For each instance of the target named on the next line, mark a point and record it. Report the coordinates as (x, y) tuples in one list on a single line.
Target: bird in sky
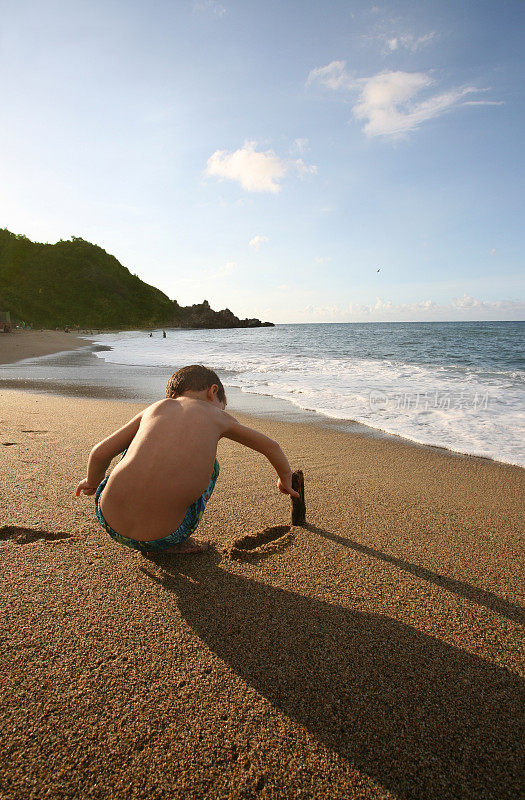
[(379, 270)]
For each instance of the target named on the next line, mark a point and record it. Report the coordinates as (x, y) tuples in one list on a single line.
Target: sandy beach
[(377, 654), (22, 343)]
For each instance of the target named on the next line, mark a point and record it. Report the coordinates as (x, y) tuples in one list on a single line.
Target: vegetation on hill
[(74, 283), (77, 283)]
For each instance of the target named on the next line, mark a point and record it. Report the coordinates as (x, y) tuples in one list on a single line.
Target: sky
[(294, 161)]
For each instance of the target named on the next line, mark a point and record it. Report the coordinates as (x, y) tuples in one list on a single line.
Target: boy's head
[(194, 378)]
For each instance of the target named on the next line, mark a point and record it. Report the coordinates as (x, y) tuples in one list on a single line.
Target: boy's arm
[(263, 444), (102, 453)]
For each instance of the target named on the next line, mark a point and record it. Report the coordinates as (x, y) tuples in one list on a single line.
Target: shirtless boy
[(155, 496)]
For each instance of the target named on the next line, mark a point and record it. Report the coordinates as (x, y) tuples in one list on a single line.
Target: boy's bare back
[(167, 466)]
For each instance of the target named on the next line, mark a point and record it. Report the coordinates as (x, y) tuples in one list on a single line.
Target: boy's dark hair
[(194, 378)]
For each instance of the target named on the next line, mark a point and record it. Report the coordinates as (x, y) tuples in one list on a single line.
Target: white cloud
[(257, 241), (209, 6), (326, 312), (468, 303), (334, 76), (256, 171), (460, 308), (387, 103), (300, 146), (483, 102), (303, 169), (407, 41)]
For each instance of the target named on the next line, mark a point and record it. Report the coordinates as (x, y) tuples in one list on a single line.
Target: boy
[(156, 495)]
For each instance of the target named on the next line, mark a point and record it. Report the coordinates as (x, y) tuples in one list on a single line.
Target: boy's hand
[(286, 487), (84, 488)]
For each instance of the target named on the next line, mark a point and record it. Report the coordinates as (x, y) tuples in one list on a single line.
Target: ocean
[(458, 385)]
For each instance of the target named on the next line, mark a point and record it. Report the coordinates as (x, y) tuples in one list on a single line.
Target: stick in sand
[(298, 504)]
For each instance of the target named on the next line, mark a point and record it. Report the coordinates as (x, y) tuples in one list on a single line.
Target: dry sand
[(21, 344), (377, 655)]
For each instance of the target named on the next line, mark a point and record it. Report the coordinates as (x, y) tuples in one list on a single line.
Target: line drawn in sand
[(270, 540)]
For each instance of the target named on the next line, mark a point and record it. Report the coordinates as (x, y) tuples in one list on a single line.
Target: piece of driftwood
[(298, 504)]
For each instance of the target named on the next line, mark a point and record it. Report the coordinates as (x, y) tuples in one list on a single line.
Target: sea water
[(458, 385)]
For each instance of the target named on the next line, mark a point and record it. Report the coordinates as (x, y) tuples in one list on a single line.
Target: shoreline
[(85, 383), (22, 344), (356, 661), (310, 419)]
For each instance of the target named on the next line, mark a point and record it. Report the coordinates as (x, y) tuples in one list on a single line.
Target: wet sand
[(21, 344), (376, 654)]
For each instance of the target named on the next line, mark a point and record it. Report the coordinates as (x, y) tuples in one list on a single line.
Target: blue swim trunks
[(185, 529)]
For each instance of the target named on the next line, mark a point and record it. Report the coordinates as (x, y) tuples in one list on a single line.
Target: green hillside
[(75, 283)]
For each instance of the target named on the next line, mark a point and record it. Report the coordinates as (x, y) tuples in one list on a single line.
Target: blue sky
[(272, 156)]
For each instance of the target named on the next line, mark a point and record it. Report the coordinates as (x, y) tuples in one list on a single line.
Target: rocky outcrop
[(202, 315)]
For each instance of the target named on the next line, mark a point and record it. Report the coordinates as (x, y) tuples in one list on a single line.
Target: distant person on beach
[(157, 493)]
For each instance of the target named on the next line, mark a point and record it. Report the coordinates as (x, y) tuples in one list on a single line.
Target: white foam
[(474, 411)]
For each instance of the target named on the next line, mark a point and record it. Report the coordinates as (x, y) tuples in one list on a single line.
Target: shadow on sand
[(479, 596), (421, 717), (22, 535)]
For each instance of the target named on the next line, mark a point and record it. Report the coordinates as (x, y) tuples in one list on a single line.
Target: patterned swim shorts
[(185, 529)]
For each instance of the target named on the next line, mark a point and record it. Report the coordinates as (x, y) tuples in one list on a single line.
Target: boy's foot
[(190, 545)]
